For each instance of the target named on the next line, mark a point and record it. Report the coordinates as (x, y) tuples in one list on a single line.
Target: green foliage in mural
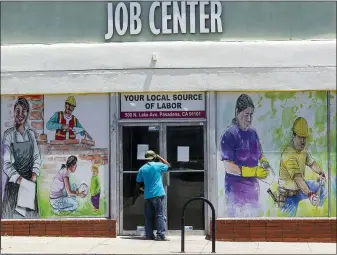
[(84, 210), (289, 106), (333, 151)]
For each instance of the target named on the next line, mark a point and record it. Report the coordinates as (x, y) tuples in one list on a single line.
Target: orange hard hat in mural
[(300, 127)]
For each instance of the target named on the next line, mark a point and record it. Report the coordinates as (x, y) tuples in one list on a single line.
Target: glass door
[(135, 140), (185, 151), (183, 145)]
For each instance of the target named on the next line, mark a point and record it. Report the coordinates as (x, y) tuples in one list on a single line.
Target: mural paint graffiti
[(333, 151), (65, 123), (244, 162), (21, 165), (70, 167), (293, 187), (291, 128)]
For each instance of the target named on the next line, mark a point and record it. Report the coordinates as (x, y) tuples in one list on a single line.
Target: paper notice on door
[(183, 153), (141, 149)]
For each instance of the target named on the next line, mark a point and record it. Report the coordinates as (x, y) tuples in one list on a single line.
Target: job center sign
[(164, 17), (162, 105)]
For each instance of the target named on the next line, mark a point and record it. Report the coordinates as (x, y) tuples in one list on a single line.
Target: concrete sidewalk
[(133, 245)]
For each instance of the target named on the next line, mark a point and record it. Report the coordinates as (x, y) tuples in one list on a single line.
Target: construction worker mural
[(292, 185), (66, 125)]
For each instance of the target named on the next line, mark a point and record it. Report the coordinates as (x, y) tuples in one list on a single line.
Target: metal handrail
[(183, 222)]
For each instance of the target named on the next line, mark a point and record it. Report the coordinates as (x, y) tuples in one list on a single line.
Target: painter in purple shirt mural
[(242, 154)]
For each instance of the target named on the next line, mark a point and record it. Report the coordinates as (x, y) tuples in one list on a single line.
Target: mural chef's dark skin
[(20, 118)]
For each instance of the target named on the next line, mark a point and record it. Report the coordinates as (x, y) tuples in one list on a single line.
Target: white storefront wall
[(168, 67)]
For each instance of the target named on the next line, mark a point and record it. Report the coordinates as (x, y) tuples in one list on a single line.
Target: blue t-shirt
[(151, 175)]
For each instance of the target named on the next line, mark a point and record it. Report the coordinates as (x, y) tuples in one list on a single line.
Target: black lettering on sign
[(158, 98), (187, 97), (134, 97), (168, 106)]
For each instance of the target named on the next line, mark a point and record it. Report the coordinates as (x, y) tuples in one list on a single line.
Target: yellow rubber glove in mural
[(256, 171)]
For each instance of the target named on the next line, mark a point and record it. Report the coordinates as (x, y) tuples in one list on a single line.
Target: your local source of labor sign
[(162, 105)]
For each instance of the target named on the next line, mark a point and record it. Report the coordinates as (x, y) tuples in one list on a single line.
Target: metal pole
[(183, 232), (213, 228), (183, 222)]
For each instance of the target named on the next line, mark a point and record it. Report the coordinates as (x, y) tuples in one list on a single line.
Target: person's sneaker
[(150, 238), (162, 238)]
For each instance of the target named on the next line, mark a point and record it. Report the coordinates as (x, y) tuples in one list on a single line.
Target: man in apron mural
[(21, 164), (66, 124)]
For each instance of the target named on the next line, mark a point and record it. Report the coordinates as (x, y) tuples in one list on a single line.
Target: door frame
[(186, 124), (162, 151)]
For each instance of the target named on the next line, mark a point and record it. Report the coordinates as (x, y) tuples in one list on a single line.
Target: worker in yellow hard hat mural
[(293, 187), (65, 123)]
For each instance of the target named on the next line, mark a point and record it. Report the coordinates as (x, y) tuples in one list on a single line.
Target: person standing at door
[(150, 174), (21, 162)]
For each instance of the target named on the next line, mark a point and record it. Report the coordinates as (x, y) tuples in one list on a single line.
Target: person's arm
[(37, 159), (53, 124), (83, 133), (164, 161), (139, 180), (310, 162), (68, 189), (227, 147), (79, 125), (227, 153), (8, 167)]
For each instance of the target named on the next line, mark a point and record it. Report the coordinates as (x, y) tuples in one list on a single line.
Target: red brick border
[(276, 230), (64, 227)]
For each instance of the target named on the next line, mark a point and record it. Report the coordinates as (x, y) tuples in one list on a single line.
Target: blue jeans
[(154, 209), (292, 202)]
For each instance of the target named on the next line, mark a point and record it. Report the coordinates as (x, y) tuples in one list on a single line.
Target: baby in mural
[(293, 188), (95, 188), (62, 193)]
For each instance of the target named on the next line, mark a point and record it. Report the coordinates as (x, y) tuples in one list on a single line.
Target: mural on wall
[(272, 154), (333, 151), (21, 165), (58, 168)]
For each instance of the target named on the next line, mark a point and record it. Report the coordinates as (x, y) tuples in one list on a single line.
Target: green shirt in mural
[(95, 186)]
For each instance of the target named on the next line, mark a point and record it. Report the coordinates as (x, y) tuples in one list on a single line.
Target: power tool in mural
[(55, 169), (293, 187)]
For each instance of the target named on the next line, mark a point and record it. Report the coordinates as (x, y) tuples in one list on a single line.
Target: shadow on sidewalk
[(133, 237)]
